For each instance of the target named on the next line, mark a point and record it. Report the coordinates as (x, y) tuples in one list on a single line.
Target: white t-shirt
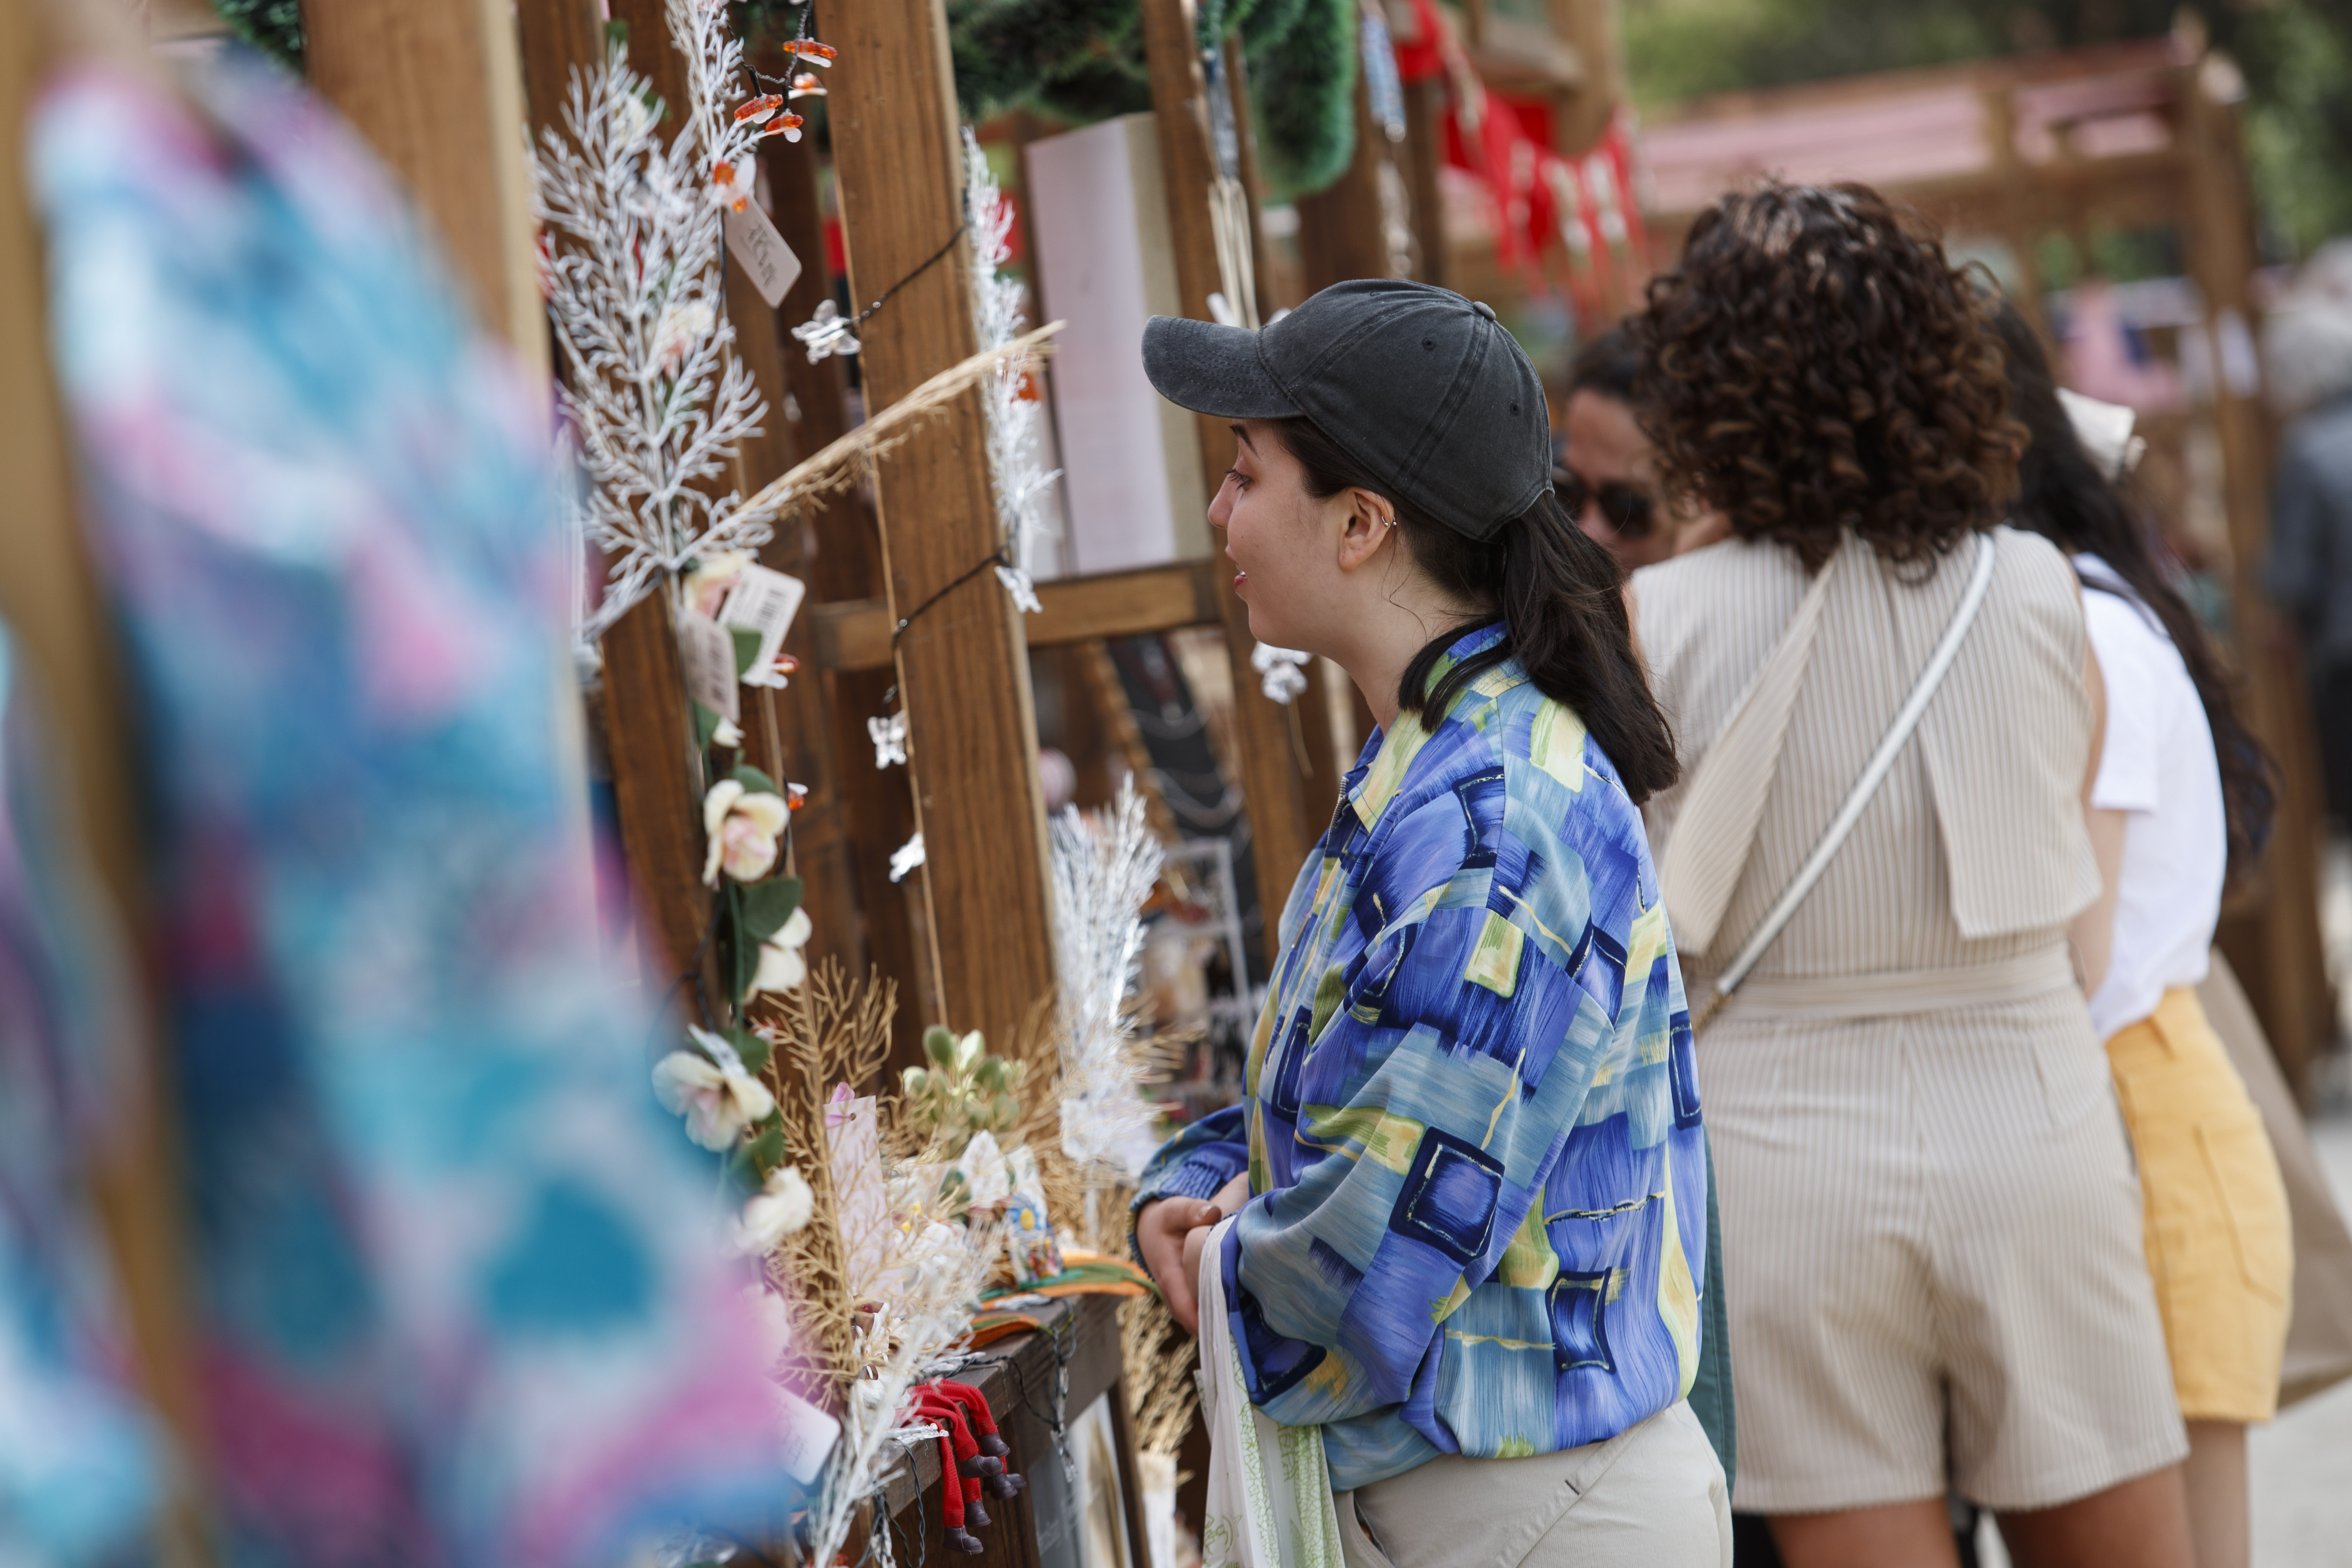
[(2157, 764)]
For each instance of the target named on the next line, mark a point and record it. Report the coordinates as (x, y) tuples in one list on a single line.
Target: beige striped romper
[(1931, 1230)]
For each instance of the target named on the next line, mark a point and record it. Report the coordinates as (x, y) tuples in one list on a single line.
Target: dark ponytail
[(1559, 597), (2064, 497)]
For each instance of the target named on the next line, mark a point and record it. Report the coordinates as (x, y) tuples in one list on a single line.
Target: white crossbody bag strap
[(1833, 837)]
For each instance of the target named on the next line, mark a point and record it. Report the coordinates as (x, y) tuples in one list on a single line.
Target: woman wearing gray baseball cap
[(1468, 1178)]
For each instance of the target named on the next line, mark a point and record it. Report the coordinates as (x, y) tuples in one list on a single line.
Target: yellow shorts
[(2219, 1243)]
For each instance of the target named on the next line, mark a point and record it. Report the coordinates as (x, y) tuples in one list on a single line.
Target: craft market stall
[(821, 319)]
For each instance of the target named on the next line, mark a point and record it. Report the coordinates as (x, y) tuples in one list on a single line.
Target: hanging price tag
[(809, 1434), (707, 653), (763, 601), (760, 252)]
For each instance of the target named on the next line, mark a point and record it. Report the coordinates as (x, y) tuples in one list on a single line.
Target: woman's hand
[(1172, 1233), (1162, 1230), (1196, 1241)]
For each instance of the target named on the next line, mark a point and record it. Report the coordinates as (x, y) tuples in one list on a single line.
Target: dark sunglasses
[(1632, 513)]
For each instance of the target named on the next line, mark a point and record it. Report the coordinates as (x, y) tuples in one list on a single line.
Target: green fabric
[(1710, 1394)]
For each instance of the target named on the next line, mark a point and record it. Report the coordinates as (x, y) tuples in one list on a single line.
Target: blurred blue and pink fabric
[(457, 1292)]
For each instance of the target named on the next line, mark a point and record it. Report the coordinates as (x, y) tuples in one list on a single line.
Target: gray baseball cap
[(1419, 385)]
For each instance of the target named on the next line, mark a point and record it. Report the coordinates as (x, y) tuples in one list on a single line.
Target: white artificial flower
[(742, 826), (732, 185), (778, 1209), (984, 1171), (889, 738), (781, 968), (682, 326), (1023, 590), (827, 333), (906, 858), (633, 116), (726, 734), (718, 1098), (713, 578), (1281, 672)]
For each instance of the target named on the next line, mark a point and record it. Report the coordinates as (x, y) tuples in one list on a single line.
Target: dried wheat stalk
[(831, 1030), (845, 460), (1161, 1394)]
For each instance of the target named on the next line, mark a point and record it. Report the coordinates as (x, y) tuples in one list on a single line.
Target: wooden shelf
[(854, 634), (1019, 1378)]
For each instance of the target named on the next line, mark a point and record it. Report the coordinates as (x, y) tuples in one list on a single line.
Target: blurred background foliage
[(2296, 56)]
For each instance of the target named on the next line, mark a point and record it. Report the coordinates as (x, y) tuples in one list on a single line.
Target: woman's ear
[(1371, 526)]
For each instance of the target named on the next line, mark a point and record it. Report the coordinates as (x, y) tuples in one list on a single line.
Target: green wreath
[(1083, 61), (274, 26), (1080, 60)]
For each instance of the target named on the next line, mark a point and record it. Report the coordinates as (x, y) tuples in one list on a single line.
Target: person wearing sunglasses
[(1602, 471)]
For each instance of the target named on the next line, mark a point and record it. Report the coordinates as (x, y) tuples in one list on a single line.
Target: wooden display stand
[(438, 87), (970, 939)]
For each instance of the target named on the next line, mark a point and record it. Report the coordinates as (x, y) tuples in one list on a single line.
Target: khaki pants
[(1652, 1495)]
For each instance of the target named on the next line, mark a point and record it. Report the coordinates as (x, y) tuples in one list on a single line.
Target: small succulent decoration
[(963, 1092)]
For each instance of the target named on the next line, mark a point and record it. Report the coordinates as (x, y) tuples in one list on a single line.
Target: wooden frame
[(855, 634)]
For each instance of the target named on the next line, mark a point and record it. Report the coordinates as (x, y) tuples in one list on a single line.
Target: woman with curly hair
[(1931, 1225)]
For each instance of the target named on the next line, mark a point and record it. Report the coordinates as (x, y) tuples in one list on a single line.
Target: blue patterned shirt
[(1478, 1212)]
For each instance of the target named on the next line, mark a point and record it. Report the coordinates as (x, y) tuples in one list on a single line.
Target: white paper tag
[(765, 602), (809, 1436), (707, 649), (760, 251)]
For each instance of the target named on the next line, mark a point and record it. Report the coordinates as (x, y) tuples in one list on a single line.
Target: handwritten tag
[(707, 652), (809, 1434), (765, 602), (761, 252)]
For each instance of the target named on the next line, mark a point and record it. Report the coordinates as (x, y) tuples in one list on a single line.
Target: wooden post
[(435, 86), (657, 791), (1362, 225), (962, 666), (555, 37), (1252, 183), (855, 815), (70, 663), (1283, 825), (2013, 219), (2272, 938), (648, 732), (1424, 139), (1581, 113)]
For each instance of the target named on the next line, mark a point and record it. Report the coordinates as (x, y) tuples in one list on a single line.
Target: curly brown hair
[(1816, 365)]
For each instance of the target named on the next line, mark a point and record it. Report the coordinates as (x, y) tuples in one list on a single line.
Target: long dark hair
[(2064, 497), (1559, 597)]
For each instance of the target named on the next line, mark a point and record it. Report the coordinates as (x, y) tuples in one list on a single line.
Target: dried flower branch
[(883, 1296), (830, 1031), (1104, 869), (1016, 415), (654, 395)]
